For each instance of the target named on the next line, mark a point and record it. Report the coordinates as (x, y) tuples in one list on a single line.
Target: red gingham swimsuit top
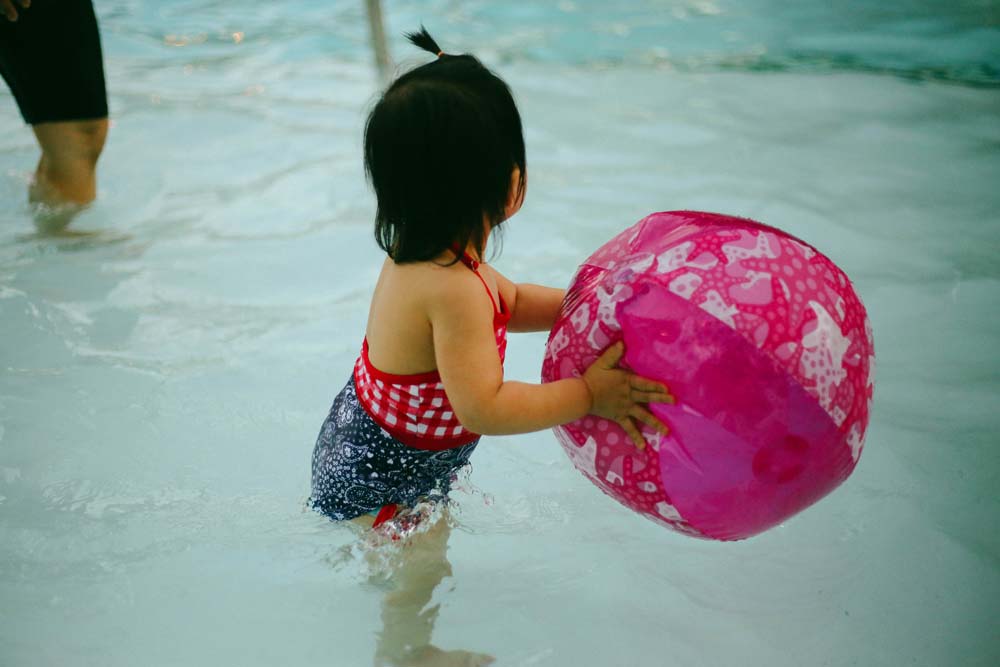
[(414, 409)]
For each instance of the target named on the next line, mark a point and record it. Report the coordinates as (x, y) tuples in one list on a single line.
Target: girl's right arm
[(466, 354)]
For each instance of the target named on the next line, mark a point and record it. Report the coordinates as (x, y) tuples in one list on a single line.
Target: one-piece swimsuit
[(392, 440)]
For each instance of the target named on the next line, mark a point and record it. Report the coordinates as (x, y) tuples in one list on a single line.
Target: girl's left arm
[(532, 307)]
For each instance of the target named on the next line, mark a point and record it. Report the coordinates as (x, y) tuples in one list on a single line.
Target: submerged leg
[(407, 625)]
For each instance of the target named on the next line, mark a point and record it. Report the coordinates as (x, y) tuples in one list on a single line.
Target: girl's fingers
[(633, 433), (651, 397), (644, 390), (645, 384), (649, 419), (610, 357)]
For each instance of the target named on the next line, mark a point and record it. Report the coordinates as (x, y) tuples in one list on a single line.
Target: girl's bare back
[(400, 338)]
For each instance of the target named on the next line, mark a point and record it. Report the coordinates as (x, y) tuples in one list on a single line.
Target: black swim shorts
[(51, 59)]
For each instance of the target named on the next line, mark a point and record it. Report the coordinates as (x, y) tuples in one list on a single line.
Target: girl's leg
[(407, 625)]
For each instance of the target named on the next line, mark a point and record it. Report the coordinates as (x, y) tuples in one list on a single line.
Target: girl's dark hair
[(440, 147)]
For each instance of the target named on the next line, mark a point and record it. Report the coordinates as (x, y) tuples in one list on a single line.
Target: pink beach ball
[(764, 343)]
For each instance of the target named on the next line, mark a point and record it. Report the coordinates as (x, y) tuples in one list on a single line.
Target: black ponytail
[(424, 40), (441, 145)]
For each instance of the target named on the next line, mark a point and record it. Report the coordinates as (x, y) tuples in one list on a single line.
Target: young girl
[(445, 154)]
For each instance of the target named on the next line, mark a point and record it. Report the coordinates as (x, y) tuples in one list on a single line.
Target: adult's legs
[(67, 169)]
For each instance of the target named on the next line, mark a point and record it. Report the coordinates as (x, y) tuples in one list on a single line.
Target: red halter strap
[(474, 265)]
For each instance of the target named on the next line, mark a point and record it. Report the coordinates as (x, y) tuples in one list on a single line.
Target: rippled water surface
[(164, 370)]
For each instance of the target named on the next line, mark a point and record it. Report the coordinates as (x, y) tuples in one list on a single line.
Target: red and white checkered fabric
[(414, 409)]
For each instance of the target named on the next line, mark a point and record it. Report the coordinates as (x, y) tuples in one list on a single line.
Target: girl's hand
[(616, 394)]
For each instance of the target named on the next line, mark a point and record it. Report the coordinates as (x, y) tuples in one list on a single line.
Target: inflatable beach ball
[(765, 345)]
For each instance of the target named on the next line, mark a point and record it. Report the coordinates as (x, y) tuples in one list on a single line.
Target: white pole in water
[(382, 60)]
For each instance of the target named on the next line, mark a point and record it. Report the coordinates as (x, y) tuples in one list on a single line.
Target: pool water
[(164, 369)]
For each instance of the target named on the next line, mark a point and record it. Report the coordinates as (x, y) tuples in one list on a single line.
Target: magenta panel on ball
[(764, 343)]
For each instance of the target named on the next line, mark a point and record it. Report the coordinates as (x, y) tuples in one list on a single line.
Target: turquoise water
[(164, 372)]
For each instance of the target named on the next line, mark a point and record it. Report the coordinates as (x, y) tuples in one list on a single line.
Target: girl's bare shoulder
[(430, 284)]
